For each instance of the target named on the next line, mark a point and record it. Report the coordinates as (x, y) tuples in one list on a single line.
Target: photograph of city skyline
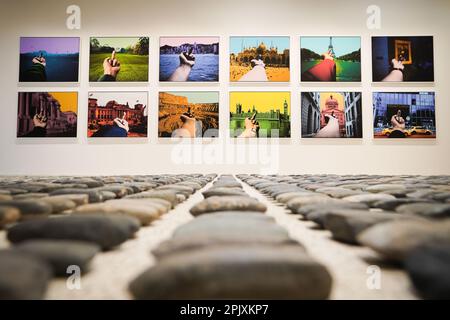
[(260, 114)]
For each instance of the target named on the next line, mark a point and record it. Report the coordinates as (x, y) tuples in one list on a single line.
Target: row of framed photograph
[(251, 59), (252, 114)]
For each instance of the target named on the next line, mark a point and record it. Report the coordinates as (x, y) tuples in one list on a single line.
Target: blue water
[(60, 67), (206, 67)]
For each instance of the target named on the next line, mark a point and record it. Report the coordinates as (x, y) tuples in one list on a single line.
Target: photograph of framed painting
[(402, 59), (47, 114), (260, 114), (330, 59), (117, 114), (49, 59), (404, 115), (188, 114), (189, 59), (122, 59), (331, 114), (259, 59)]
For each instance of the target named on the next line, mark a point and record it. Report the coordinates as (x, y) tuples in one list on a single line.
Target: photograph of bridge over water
[(188, 114), (259, 59), (330, 59), (49, 59), (189, 59), (331, 115), (260, 114)]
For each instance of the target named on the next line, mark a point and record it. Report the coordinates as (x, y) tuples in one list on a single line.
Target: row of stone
[(404, 219), (231, 250), (99, 214)]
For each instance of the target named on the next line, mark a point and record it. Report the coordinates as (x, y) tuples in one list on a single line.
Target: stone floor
[(246, 236)]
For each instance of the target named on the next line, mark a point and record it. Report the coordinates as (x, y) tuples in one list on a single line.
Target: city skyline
[(120, 97), (341, 45), (263, 101), (52, 45), (178, 41), (197, 96), (238, 43)]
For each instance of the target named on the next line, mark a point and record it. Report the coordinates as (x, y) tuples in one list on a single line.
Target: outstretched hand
[(122, 123), (111, 66), (251, 127), (40, 120), (397, 64), (39, 60)]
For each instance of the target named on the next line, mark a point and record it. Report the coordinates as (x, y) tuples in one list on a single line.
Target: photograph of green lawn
[(123, 59)]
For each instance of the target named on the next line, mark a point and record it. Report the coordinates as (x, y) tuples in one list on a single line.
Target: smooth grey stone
[(227, 203), (224, 228), (169, 195), (196, 186), (108, 195), (30, 196), (385, 187), (305, 210), (185, 190), (106, 231), (59, 204), (394, 240), (227, 184), (430, 210), (337, 192), (286, 197), (94, 195), (60, 254), (369, 198), (425, 193), (429, 269), (346, 224), (8, 215), (394, 203), (441, 196), (79, 199), (29, 208), (22, 277), (224, 192), (236, 272), (297, 203), (119, 191)]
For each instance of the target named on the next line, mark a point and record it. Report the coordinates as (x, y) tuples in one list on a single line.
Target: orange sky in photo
[(67, 100)]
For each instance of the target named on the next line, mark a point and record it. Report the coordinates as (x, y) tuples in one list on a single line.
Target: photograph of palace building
[(270, 110), (117, 114), (47, 114), (190, 114), (404, 115), (331, 115), (259, 59)]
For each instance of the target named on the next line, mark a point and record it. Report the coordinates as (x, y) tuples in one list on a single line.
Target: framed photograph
[(402, 59), (404, 115), (49, 59), (330, 59), (121, 59), (331, 114), (258, 114), (117, 114), (47, 114), (259, 59), (188, 114), (189, 59)]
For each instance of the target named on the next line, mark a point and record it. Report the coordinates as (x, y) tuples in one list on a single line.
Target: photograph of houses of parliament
[(271, 110)]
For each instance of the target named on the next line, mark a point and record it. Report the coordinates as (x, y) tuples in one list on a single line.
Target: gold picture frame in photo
[(403, 51)]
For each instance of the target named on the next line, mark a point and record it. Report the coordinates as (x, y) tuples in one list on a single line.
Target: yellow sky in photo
[(67, 100), (336, 95), (263, 101)]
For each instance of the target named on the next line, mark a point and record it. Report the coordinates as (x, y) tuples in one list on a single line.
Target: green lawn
[(345, 70), (133, 67)]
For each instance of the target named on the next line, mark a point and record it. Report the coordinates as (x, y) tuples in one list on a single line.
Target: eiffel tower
[(330, 47)]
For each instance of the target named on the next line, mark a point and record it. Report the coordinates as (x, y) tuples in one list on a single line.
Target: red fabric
[(324, 71)]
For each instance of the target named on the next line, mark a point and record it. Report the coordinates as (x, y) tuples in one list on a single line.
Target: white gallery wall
[(154, 18)]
